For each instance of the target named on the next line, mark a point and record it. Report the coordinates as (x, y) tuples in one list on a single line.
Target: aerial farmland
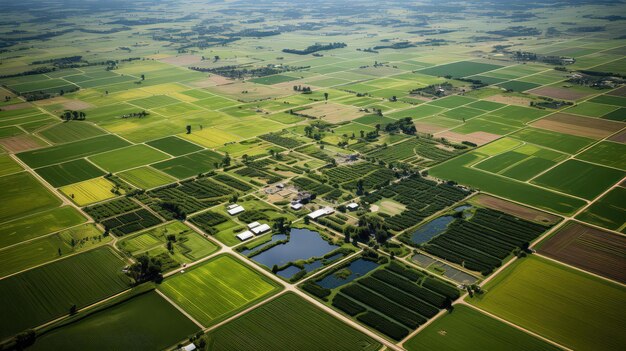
[(328, 175)]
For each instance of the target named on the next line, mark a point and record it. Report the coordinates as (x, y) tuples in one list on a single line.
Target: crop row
[(131, 222), (279, 140), (410, 288), (383, 325), (400, 297), (111, 208), (232, 182)]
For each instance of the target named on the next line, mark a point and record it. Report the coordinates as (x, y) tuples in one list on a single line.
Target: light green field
[(70, 131), (90, 191), (570, 307), (8, 165), (608, 211), (39, 224), (221, 286), (23, 195), (130, 157), (146, 177)]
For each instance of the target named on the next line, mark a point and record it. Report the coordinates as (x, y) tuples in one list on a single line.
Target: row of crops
[(280, 140), (422, 198), (425, 148), (484, 241), (392, 300)]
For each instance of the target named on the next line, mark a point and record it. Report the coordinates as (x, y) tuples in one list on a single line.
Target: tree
[(60, 253), (307, 220), (274, 269), (188, 129), (143, 77), (326, 96), (226, 160), (25, 339), (245, 158), (73, 310), (170, 246), (362, 134)]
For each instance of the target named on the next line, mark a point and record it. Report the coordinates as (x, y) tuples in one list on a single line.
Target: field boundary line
[(179, 309)]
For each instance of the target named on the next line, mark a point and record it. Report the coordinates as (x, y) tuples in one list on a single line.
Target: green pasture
[(608, 211), (146, 177), (125, 158), (69, 172), (23, 195)]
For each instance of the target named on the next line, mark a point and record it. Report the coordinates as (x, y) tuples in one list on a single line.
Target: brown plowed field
[(559, 93), (588, 248), (581, 126)]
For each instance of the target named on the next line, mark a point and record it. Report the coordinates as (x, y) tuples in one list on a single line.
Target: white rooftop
[(352, 205), (261, 229), (245, 235), (189, 347), (231, 206), (321, 212), (253, 224), (296, 206), (234, 210)]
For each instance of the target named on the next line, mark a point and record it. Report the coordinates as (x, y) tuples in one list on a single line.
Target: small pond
[(431, 229), (275, 238), (357, 269), (302, 245)]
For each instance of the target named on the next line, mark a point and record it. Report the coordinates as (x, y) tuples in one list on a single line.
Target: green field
[(130, 157), (579, 178), (146, 177), (606, 153), (457, 170), (568, 306), (71, 151), (299, 325), (51, 247), (145, 322), (467, 329), (69, 172), (23, 195), (70, 131), (39, 224), (558, 141), (8, 165), (174, 146), (459, 69), (39, 295), (222, 286), (608, 211), (189, 165)]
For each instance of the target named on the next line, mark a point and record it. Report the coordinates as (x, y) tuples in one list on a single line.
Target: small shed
[(253, 224), (235, 210), (190, 347), (321, 212), (352, 206), (296, 206)]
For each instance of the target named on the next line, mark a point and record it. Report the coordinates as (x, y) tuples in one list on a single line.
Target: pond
[(431, 229), (357, 269), (302, 245), (275, 238), (463, 208)]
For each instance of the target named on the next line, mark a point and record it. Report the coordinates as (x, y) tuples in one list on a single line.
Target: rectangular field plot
[(69, 172), (216, 289), (459, 69), (146, 177), (89, 191), (145, 321), (305, 330), (39, 295), (579, 178), (71, 151), (608, 211), (588, 248), (572, 308), (8, 165), (567, 143), (174, 146), (42, 223), (468, 329), (130, 157), (189, 165), (51, 247), (23, 195), (606, 153), (70, 131)]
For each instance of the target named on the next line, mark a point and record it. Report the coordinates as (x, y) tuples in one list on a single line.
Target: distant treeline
[(315, 48), (238, 72)]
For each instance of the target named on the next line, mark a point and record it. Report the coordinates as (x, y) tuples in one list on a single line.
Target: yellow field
[(131, 94), (209, 137), (167, 88), (182, 97), (88, 192)]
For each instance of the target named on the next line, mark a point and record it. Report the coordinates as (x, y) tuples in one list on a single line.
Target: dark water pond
[(303, 244), (357, 268), (275, 238)]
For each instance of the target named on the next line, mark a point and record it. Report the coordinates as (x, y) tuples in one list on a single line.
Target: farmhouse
[(189, 347), (234, 209), (352, 206), (321, 212), (261, 229), (296, 206), (245, 235)]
